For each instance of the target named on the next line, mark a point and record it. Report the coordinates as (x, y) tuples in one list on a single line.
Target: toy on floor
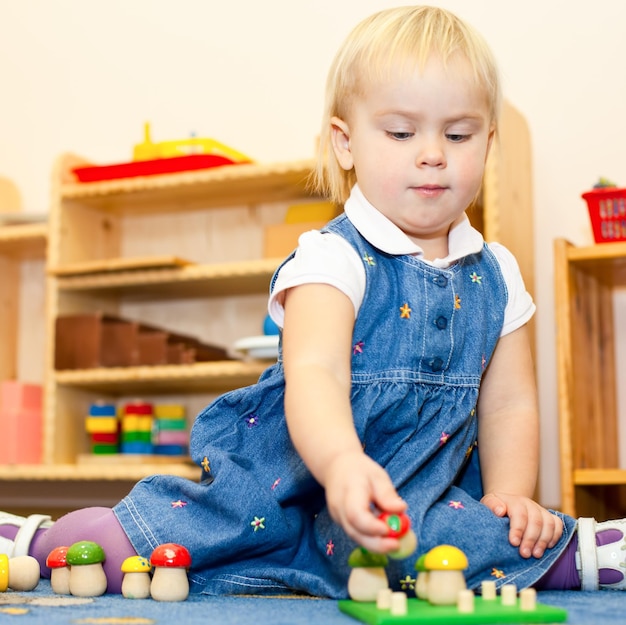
[(445, 565), (136, 582), (87, 577), (19, 573), (59, 570), (391, 608), (368, 575), (169, 580)]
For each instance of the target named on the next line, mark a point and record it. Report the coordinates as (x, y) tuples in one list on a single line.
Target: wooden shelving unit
[(18, 244), (185, 252), (592, 482)]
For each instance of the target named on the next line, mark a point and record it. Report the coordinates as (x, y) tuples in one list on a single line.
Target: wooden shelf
[(24, 241), (220, 186), (199, 377), (592, 483), (245, 277), (79, 473)]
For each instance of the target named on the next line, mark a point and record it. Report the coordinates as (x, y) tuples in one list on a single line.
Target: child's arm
[(508, 443), (317, 349)]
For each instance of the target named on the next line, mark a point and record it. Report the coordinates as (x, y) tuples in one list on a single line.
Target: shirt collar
[(463, 239)]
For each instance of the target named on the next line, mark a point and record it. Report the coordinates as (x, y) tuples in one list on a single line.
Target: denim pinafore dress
[(256, 521)]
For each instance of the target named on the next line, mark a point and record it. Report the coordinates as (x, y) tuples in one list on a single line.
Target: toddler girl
[(404, 380)]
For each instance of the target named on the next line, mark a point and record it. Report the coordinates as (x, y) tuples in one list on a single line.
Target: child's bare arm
[(317, 339), (508, 443)]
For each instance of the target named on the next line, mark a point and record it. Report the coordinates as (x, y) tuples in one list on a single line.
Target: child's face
[(418, 144)]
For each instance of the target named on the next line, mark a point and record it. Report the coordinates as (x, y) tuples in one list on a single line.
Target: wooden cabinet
[(185, 252), (592, 484), (22, 253)]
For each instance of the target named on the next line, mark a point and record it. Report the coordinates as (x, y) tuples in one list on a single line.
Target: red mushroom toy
[(60, 570), (169, 580), (400, 527)]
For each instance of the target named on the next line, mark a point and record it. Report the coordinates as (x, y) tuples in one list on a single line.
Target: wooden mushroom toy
[(87, 578), (400, 527), (421, 581), (169, 580), (59, 570), (445, 564), (136, 582), (19, 573), (368, 575)]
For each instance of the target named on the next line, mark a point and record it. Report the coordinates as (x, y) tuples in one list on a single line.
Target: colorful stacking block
[(103, 426), (137, 424), (171, 437)]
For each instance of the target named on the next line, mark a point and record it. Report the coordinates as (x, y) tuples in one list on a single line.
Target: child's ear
[(340, 139)]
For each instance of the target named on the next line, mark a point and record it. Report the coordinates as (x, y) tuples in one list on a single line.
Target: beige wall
[(84, 75)]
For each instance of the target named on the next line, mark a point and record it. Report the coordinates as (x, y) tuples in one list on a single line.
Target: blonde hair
[(408, 35)]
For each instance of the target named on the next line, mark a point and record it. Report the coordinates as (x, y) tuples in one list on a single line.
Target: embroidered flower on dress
[(369, 260), (457, 302), (358, 348), (497, 573), (252, 420), (179, 504), (276, 483), (407, 583), (206, 465), (330, 548), (258, 524), (405, 312), (476, 279), (457, 505), (443, 439)]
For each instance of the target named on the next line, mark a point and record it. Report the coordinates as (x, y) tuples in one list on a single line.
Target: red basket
[(607, 210)]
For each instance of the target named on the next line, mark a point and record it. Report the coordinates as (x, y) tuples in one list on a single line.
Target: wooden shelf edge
[(96, 472), (217, 175), (591, 477), (599, 251), (142, 279), (200, 377)]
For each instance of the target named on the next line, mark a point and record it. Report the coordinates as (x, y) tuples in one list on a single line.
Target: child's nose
[(431, 154)]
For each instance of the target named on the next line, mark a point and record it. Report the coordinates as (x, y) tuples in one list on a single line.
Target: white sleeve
[(520, 306), (321, 258)]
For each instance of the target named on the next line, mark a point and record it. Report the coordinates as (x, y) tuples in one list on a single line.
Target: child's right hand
[(357, 489)]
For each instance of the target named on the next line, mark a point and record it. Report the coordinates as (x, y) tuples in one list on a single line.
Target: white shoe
[(27, 527), (590, 558)]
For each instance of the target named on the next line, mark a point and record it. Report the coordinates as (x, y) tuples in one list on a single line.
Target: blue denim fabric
[(256, 520)]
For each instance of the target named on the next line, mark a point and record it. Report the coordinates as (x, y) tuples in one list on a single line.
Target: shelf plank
[(95, 472), (24, 241), (243, 278), (117, 265), (591, 477), (206, 377), (219, 186)]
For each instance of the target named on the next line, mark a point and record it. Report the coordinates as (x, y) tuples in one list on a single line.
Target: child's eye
[(399, 136), (457, 138)]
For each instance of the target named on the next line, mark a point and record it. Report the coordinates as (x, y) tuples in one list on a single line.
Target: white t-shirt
[(327, 258)]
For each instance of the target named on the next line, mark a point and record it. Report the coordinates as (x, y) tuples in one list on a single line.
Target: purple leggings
[(102, 526), (97, 524)]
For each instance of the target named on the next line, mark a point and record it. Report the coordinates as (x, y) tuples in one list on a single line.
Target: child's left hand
[(533, 528)]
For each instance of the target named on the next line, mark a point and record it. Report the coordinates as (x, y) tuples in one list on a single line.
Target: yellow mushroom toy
[(445, 565), (136, 582)]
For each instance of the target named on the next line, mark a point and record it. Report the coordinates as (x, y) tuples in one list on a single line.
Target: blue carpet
[(42, 607)]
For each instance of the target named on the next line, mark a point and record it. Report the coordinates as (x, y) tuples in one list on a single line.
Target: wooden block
[(528, 599), (508, 593), (398, 604), (488, 590), (383, 599), (281, 239), (465, 601)]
